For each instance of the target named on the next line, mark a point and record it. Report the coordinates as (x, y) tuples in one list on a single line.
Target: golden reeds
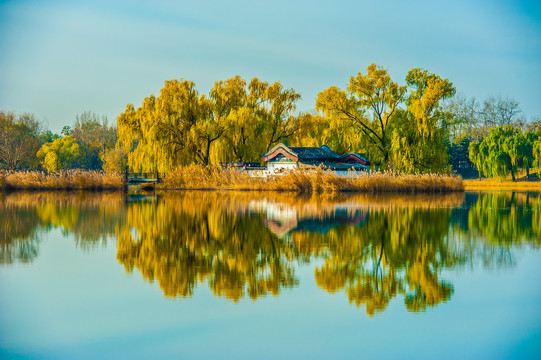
[(63, 180), (302, 180), (196, 177)]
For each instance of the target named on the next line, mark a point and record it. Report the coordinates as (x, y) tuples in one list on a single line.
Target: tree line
[(402, 128), (420, 127), (494, 137), (26, 144)]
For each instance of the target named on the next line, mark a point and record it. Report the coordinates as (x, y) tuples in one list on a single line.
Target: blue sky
[(60, 58)]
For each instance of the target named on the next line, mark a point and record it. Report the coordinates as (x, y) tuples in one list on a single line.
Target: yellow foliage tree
[(368, 105), (59, 154), (235, 122)]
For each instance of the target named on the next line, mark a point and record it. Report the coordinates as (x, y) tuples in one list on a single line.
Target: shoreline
[(284, 191), (198, 178), (467, 188), (208, 179)]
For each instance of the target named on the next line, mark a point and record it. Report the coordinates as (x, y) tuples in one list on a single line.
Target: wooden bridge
[(143, 179)]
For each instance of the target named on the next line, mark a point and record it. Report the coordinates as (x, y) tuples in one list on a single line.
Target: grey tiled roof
[(315, 153), (321, 153)]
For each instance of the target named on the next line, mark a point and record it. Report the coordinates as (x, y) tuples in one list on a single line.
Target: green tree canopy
[(504, 151)]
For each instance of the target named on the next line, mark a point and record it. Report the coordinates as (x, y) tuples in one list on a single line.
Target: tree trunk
[(207, 154)]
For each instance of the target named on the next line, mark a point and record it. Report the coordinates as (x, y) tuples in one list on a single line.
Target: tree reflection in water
[(373, 248), (18, 233), (25, 216), (186, 239), (400, 249)]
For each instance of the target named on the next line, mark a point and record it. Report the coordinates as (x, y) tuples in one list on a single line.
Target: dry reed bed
[(195, 177), (63, 180), (489, 184), (315, 180)]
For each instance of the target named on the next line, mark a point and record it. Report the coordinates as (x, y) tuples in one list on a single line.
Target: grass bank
[(317, 180), (63, 180), (495, 184)]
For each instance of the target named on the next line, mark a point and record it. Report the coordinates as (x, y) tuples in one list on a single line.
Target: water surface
[(263, 275)]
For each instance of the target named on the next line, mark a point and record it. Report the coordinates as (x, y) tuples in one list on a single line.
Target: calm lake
[(270, 275)]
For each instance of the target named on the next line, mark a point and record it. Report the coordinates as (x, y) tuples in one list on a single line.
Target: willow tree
[(520, 150), (368, 104), (262, 118), (276, 112), (230, 99), (505, 150), (419, 133), (536, 152), (312, 132), (234, 122), (497, 154), (158, 135), (316, 130), (526, 150), (410, 139)]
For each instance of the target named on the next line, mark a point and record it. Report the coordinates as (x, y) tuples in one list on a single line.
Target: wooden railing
[(142, 178), (145, 175)]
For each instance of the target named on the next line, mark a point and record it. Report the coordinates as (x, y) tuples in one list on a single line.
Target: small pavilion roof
[(362, 158), (359, 155)]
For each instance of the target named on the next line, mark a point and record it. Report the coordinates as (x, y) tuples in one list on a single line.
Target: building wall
[(275, 167), (349, 173)]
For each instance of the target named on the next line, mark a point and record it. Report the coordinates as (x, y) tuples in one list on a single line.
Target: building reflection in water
[(282, 219)]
